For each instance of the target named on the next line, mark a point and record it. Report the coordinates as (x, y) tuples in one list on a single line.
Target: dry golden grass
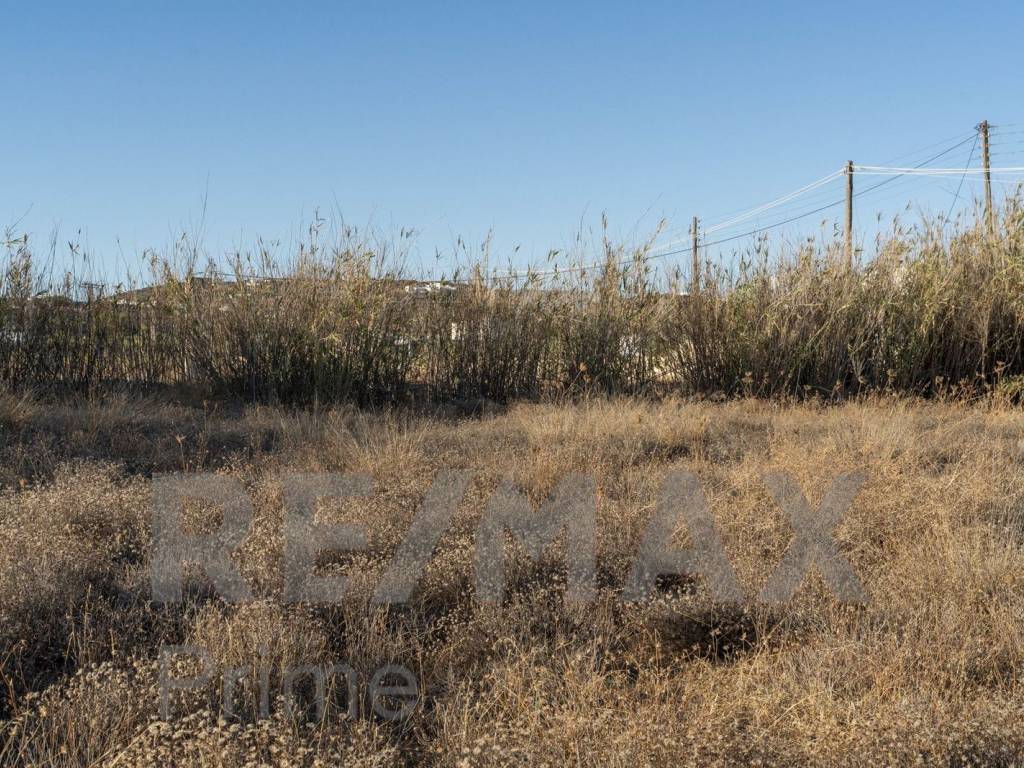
[(930, 671)]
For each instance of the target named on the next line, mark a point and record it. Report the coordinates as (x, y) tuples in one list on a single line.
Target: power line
[(794, 200), (961, 184), (893, 182), (775, 203), (893, 173), (682, 236), (869, 170), (765, 207), (802, 205), (905, 191), (961, 137), (1003, 182), (837, 202), (931, 159), (665, 254), (759, 230)]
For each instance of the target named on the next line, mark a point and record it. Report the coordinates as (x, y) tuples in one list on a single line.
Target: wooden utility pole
[(695, 277), (983, 129), (849, 214)]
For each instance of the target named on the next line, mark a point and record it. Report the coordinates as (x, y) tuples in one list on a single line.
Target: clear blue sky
[(459, 118)]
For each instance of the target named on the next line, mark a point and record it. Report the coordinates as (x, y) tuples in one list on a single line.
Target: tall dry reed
[(934, 312)]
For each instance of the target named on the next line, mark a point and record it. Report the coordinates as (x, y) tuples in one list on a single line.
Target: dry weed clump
[(929, 671), (938, 311)]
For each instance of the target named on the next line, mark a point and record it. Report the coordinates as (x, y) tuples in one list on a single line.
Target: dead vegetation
[(930, 670), (938, 311)]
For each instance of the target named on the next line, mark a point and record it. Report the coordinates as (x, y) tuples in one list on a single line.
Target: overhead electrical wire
[(765, 207), (818, 209), (812, 200), (872, 188), (874, 170), (960, 186), (774, 204), (960, 139), (894, 173), (1002, 182)]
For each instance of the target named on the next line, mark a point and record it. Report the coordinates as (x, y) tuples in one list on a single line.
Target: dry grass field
[(929, 671), (908, 368)]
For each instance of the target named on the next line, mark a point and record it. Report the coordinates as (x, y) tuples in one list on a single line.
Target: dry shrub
[(934, 313), (71, 572)]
